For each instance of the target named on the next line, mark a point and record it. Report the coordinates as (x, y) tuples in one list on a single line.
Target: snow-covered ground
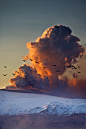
[(14, 103)]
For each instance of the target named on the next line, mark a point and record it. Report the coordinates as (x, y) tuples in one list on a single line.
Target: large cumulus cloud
[(57, 47), (50, 56)]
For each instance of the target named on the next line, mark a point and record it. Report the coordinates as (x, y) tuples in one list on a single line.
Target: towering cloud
[(51, 55)]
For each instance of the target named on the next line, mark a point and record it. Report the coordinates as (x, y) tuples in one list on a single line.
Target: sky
[(23, 21)]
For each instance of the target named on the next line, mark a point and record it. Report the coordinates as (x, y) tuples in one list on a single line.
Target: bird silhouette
[(79, 72), (69, 66), (44, 67), (5, 66), (4, 74), (58, 71), (13, 74), (36, 62), (73, 66), (24, 60), (31, 59), (54, 65)]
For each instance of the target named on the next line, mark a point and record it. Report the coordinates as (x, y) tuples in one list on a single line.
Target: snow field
[(14, 103)]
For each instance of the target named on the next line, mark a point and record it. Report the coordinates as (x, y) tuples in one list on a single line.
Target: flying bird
[(5, 66), (69, 66), (13, 74), (4, 74), (73, 66), (24, 60), (58, 71), (31, 59), (36, 62), (54, 65)]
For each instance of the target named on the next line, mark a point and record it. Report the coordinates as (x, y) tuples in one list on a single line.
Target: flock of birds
[(6, 74), (69, 66)]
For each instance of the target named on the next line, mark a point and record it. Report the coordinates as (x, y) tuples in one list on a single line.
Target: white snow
[(14, 103)]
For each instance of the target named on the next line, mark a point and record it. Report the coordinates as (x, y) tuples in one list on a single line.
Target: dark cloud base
[(75, 121), (71, 93)]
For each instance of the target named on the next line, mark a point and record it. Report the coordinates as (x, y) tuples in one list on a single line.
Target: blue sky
[(22, 21)]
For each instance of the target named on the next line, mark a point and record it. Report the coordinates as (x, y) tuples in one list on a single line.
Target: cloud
[(27, 76), (57, 47), (50, 55)]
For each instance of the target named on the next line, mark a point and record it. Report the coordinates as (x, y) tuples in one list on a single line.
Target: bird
[(69, 66), (24, 60), (13, 74), (54, 65), (31, 59), (79, 72), (58, 71), (36, 62), (44, 67), (4, 74), (5, 66), (73, 66)]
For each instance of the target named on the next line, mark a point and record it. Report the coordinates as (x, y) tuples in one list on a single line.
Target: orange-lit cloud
[(50, 55)]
